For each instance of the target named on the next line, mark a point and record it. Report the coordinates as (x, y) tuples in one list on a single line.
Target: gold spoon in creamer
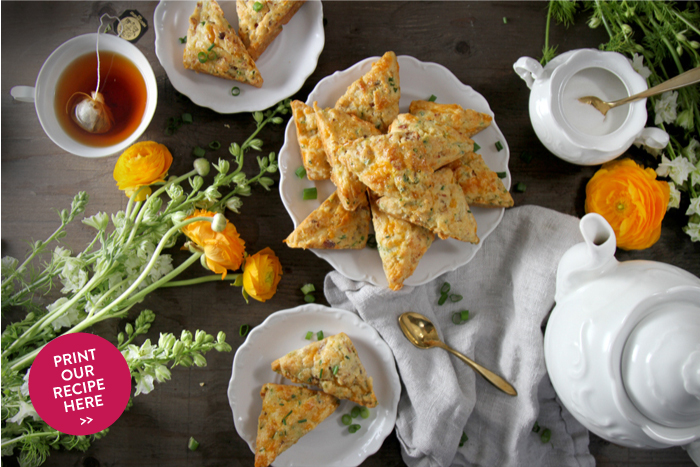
[(422, 333), (682, 80)]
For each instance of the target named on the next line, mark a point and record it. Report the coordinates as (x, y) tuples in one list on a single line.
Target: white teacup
[(43, 93)]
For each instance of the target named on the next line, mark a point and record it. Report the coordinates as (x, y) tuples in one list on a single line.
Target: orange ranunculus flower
[(142, 164), (223, 250), (261, 274), (631, 199)]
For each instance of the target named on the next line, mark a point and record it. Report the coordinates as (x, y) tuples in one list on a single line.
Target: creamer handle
[(652, 137), (528, 69), (22, 93), (693, 450)]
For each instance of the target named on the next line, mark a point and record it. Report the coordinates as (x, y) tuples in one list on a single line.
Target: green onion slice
[(463, 439), (308, 288), (354, 428), (456, 318), (476, 147), (364, 412), (355, 412), (198, 152), (210, 47), (501, 174), (302, 421), (546, 435), (464, 314), (455, 298), (300, 171), (445, 287), (499, 145), (319, 336), (335, 370), (243, 330), (257, 6), (183, 40), (309, 335), (235, 91), (432, 98), (346, 419), (212, 56), (520, 187), (536, 427), (202, 57), (186, 118), (443, 299), (309, 193), (308, 298), (192, 444), (214, 145)]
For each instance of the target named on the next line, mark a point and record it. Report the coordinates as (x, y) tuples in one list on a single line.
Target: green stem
[(690, 25), (35, 251), (600, 7), (31, 435), (201, 280)]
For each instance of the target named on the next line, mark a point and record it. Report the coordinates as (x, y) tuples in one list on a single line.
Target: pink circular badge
[(79, 384)]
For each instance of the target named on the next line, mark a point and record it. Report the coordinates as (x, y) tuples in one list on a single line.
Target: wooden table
[(469, 38)]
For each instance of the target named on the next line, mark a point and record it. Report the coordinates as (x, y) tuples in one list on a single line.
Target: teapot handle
[(693, 450), (528, 69), (652, 137)]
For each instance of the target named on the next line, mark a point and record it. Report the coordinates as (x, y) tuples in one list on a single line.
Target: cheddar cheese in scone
[(375, 96), (401, 245), (261, 21), (331, 226), (213, 47), (481, 185), (313, 156), (467, 121), (333, 365), (288, 413), (336, 128)]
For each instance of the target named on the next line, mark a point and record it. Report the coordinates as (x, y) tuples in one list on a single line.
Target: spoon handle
[(489, 375), (682, 80)]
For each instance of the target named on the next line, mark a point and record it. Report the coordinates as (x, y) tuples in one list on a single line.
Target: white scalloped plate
[(418, 81), (330, 444), (284, 66)]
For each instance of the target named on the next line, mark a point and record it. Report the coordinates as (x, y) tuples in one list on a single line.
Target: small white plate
[(284, 66), (419, 80), (330, 444)]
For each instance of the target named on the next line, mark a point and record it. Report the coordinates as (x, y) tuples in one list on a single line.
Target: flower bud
[(679, 50), (221, 337), (203, 262), (695, 44), (199, 360), (680, 37), (627, 29), (120, 338), (234, 204), (685, 119), (199, 336), (223, 166), (178, 216), (256, 144), (239, 178), (244, 190), (129, 329), (186, 361), (162, 373), (186, 337), (202, 166), (234, 149), (218, 223), (196, 182), (277, 120), (594, 22), (178, 347), (208, 338)]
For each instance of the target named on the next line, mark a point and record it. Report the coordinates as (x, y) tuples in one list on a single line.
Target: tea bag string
[(97, 43)]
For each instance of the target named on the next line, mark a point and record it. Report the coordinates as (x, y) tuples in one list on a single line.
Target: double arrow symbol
[(85, 420)]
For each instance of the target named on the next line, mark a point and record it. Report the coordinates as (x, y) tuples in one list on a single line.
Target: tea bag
[(90, 111)]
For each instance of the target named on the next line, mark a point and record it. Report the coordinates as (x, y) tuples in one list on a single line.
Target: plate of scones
[(393, 171), (314, 386), (238, 56)]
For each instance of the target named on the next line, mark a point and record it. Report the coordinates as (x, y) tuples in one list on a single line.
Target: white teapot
[(622, 345), (577, 132)]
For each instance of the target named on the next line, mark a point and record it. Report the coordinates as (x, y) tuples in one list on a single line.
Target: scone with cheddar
[(481, 185), (261, 21), (313, 156), (467, 121), (288, 413), (333, 365), (213, 47)]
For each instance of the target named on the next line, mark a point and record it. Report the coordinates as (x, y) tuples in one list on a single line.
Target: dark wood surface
[(469, 38)]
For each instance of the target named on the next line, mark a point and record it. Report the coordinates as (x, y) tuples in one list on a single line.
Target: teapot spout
[(589, 260)]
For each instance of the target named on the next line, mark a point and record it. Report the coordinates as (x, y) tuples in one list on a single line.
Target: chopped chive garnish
[(364, 412), (198, 152), (432, 98), (546, 435), (335, 369), (210, 47), (346, 419), (443, 299), (456, 319), (284, 420), (445, 287), (235, 91), (501, 174), (309, 193), (476, 147), (300, 171), (520, 187), (186, 118), (463, 439), (183, 40), (212, 56), (499, 145), (309, 335), (308, 298), (257, 6), (192, 444), (460, 316), (202, 57), (464, 314), (455, 297), (505, 20), (536, 427), (214, 145), (302, 421), (355, 412), (243, 330), (354, 428), (319, 335), (320, 375), (308, 288)]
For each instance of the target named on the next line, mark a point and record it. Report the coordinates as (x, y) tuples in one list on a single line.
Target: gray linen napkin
[(509, 290)]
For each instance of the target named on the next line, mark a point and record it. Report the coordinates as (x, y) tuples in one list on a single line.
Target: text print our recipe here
[(83, 385)]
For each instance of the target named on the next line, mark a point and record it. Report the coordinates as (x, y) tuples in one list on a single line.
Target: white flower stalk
[(674, 200), (665, 108), (678, 169), (638, 65)]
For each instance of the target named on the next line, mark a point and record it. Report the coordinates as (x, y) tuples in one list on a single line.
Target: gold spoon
[(421, 333), (682, 80)]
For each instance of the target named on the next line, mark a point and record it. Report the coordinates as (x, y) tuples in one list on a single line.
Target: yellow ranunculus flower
[(142, 164), (261, 274), (631, 199), (223, 250)]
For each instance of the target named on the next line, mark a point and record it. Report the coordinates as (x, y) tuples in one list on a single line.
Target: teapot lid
[(660, 365)]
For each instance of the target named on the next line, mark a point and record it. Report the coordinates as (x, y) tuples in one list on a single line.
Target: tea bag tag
[(130, 26)]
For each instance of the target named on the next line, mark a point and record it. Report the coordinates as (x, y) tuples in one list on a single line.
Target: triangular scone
[(313, 155), (401, 245), (333, 365), (481, 185), (336, 128), (261, 21), (288, 413), (332, 227), (213, 47), (441, 208), (467, 121), (375, 96)]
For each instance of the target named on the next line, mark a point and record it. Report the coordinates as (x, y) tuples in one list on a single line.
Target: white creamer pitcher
[(622, 345), (577, 132)]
